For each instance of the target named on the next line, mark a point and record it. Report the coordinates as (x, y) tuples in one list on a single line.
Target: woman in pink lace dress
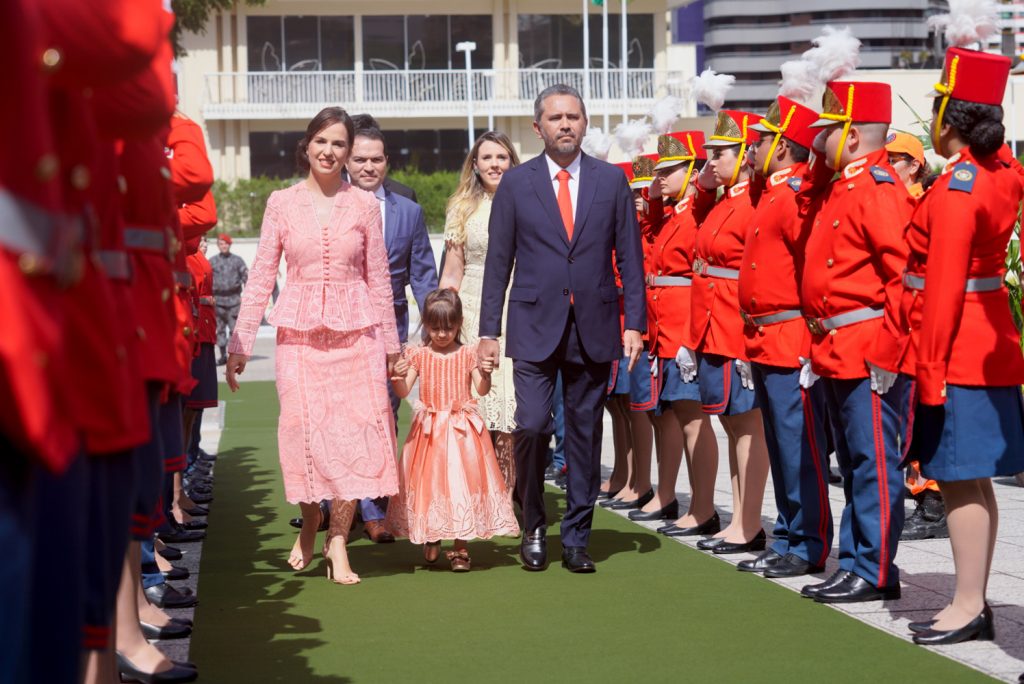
[(336, 341)]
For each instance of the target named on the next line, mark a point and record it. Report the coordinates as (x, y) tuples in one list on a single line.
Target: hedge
[(240, 204)]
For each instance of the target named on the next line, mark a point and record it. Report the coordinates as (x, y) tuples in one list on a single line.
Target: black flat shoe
[(981, 628), (533, 550), (195, 525), (576, 559), (604, 496), (172, 630), (177, 673), (792, 565), (639, 503), (766, 560), (811, 590), (198, 498), (755, 544), (609, 502), (922, 626), (198, 511), (667, 528), (709, 543), (179, 535), (667, 513), (856, 589), (176, 573), (170, 553), (712, 525), (163, 595)]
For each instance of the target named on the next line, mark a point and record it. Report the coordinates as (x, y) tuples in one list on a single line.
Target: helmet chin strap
[(778, 131), (692, 159), (946, 90), (847, 121), (741, 156)]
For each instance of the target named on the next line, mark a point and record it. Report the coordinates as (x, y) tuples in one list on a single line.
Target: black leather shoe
[(576, 559), (176, 573), (709, 543), (766, 560), (811, 590), (922, 626), (639, 503), (755, 544), (609, 502), (604, 496), (170, 553), (199, 498), (667, 513), (856, 589), (981, 628), (163, 595), (792, 565), (172, 630), (551, 472), (533, 550), (195, 525), (179, 535), (177, 673), (562, 481), (198, 511), (712, 525)]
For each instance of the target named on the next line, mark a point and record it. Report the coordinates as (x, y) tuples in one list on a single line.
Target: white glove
[(687, 362), (746, 375), (881, 379), (807, 376)]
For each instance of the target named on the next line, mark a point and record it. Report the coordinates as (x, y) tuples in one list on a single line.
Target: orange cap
[(904, 143)]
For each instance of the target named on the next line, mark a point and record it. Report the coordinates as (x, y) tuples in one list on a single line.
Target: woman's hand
[(235, 366), (400, 370), (393, 360)]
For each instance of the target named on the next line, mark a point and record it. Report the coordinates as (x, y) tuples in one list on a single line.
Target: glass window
[(551, 41), (264, 38), (640, 37), (427, 42), (301, 44), (428, 150), (273, 154), (337, 43), (480, 30), (384, 43)]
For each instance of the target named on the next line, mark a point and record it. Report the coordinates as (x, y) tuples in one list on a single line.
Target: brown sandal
[(431, 550), (459, 559)]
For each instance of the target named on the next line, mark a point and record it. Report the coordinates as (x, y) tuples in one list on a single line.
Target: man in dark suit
[(561, 218)]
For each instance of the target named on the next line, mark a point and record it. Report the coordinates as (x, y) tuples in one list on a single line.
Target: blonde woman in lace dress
[(336, 341), (465, 233)]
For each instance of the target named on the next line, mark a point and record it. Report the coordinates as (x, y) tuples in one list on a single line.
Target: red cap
[(733, 127), (858, 102), (682, 146), (790, 119), (627, 168), (225, 237), (973, 76)]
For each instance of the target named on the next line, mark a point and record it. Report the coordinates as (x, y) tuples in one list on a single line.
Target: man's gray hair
[(557, 89)]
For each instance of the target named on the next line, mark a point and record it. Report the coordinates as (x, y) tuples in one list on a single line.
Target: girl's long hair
[(470, 193)]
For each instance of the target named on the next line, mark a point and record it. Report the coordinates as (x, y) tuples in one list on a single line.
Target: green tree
[(192, 15)]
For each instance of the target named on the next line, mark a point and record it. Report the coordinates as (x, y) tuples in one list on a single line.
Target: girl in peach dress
[(450, 484)]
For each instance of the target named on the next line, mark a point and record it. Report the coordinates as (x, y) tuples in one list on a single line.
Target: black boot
[(928, 520)]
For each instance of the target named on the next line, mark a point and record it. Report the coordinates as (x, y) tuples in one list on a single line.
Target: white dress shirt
[(574, 178), (382, 201)]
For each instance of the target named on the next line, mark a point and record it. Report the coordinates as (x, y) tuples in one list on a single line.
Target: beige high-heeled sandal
[(342, 513)]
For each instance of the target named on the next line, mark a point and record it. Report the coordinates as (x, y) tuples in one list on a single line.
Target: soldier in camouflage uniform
[(229, 275)]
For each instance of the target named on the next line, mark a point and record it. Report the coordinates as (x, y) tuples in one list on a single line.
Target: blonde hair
[(470, 193)]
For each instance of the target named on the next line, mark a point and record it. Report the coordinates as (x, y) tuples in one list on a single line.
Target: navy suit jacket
[(409, 255), (526, 229)]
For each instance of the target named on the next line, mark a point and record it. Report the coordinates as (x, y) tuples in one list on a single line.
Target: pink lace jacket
[(338, 275)]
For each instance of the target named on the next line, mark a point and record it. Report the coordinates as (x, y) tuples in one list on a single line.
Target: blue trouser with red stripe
[(868, 435), (794, 430)]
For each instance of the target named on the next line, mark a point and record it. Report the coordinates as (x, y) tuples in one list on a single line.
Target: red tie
[(565, 201)]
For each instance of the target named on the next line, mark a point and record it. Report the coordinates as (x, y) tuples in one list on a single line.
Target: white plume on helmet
[(710, 88), (665, 113), (799, 80), (632, 135), (597, 143), (968, 21), (836, 53)]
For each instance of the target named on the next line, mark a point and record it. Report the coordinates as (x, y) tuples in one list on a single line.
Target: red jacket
[(668, 307), (775, 240), (202, 276), (716, 326), (855, 255), (191, 173), (960, 231)]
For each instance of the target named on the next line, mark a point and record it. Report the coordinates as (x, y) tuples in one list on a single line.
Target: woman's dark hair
[(328, 116), (442, 310), (979, 125)]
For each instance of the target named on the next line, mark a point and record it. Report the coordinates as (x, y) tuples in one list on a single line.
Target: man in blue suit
[(410, 256), (561, 218)]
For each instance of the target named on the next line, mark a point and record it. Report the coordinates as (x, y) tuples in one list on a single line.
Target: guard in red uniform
[(963, 348), (776, 338), (716, 328), (854, 256), (669, 277)]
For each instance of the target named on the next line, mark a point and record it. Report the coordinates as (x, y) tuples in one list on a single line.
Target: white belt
[(701, 267), (989, 284), (820, 326), (669, 281)]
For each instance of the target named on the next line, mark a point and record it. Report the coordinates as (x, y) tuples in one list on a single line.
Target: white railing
[(424, 92)]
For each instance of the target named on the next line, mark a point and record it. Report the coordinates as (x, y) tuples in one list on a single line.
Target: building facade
[(258, 74)]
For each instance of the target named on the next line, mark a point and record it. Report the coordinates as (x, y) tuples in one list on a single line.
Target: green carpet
[(655, 611)]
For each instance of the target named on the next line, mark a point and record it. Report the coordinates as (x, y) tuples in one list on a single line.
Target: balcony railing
[(426, 92)]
